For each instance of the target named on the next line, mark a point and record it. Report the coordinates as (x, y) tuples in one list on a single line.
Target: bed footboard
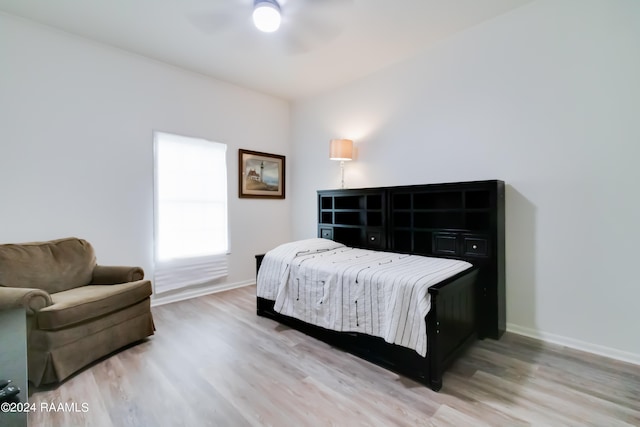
[(451, 323)]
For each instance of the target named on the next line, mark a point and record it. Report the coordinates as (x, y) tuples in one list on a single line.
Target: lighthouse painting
[(261, 175)]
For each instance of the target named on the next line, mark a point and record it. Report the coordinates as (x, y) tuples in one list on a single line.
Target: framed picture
[(261, 175)]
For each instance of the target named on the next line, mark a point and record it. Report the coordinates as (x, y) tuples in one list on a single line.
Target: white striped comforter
[(344, 289)]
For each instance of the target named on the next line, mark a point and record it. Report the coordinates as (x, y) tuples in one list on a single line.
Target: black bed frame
[(462, 220)]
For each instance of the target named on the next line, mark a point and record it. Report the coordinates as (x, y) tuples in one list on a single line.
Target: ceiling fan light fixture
[(266, 15)]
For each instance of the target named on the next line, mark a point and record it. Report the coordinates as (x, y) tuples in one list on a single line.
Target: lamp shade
[(341, 149)]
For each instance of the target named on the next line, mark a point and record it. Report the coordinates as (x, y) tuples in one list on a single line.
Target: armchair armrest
[(112, 275), (33, 300)]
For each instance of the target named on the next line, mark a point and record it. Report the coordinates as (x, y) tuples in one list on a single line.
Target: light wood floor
[(214, 362)]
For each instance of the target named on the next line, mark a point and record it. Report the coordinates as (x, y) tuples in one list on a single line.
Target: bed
[(446, 279)]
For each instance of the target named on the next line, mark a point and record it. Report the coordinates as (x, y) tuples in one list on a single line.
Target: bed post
[(259, 301), (433, 347)]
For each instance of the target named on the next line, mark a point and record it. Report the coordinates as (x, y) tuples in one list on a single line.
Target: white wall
[(77, 121), (545, 98)]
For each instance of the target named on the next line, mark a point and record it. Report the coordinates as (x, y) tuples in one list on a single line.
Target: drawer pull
[(475, 246), (373, 238)]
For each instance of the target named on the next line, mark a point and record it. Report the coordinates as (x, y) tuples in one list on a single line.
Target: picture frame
[(261, 175)]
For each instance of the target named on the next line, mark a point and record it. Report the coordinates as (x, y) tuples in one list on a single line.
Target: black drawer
[(374, 239), (326, 233), (445, 244), (475, 246), (472, 245)]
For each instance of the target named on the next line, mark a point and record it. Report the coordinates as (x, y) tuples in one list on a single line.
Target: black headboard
[(462, 220)]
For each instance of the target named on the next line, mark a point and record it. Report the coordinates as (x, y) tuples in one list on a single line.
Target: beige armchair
[(77, 311)]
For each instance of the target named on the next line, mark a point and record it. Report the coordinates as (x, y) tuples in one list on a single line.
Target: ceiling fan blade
[(211, 22), (309, 23), (221, 16)]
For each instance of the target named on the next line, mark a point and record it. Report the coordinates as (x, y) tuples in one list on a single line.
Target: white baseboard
[(199, 291), (612, 353)]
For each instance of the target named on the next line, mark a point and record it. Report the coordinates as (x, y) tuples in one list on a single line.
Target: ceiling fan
[(296, 26)]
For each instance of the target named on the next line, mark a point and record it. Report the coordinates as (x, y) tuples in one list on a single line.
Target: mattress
[(346, 289)]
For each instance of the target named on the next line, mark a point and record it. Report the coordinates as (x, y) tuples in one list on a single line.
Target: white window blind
[(191, 238)]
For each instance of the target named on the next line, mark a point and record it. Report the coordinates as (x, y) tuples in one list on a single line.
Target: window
[(191, 238)]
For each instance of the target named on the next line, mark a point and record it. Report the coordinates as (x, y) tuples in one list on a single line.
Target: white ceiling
[(320, 45)]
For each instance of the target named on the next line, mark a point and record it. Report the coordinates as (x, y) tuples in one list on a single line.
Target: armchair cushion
[(41, 339), (90, 302), (52, 266)]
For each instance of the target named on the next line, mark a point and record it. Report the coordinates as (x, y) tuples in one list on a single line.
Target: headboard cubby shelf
[(462, 220)]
